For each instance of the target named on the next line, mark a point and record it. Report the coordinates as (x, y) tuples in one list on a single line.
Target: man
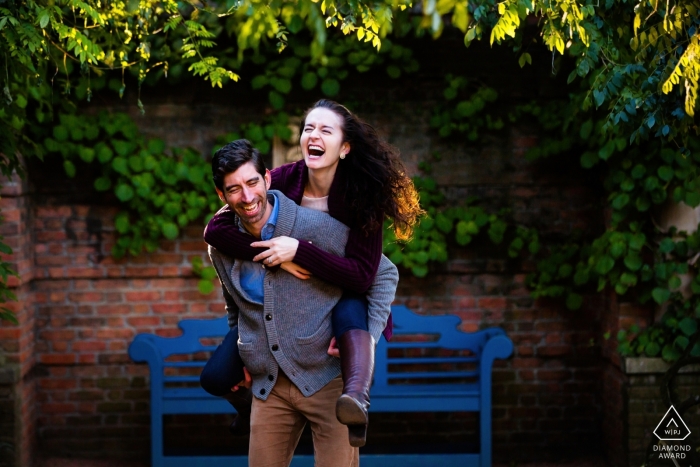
[(284, 322)]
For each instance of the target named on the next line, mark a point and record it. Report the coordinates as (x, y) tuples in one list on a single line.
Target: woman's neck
[(320, 181)]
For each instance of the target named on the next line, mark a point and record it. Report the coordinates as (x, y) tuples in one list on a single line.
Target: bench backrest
[(179, 360), (424, 350), (428, 350)]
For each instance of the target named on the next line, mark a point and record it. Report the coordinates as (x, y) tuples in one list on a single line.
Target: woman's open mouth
[(315, 150)]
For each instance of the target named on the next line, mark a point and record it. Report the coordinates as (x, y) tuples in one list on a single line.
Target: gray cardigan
[(292, 329)]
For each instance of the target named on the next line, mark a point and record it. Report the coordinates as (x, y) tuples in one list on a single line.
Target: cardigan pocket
[(315, 337), (254, 361), (310, 352)]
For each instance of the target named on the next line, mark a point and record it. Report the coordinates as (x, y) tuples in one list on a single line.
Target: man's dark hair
[(229, 158)]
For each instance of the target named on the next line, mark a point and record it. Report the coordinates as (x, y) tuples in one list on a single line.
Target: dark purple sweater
[(363, 252)]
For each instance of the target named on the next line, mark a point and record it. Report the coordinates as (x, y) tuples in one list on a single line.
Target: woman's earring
[(342, 155)]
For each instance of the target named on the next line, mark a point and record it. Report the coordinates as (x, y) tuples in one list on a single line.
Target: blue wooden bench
[(429, 366)]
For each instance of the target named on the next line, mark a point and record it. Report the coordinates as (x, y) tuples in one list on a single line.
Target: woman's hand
[(246, 383), (280, 250), (333, 349), (295, 270)]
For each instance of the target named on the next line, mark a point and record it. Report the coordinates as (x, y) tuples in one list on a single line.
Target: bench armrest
[(498, 346)]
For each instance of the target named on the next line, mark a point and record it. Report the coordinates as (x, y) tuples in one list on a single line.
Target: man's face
[(245, 191)]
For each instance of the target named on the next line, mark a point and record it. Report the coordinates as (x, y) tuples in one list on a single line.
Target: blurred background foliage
[(633, 79)]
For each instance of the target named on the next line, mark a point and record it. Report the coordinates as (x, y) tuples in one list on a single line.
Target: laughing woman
[(350, 173)]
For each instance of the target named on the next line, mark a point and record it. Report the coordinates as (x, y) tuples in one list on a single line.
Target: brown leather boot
[(241, 400), (357, 364)]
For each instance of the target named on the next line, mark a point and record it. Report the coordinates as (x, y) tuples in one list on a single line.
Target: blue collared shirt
[(253, 274)]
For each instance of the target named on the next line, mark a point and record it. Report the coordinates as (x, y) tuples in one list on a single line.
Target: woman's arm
[(355, 272), (223, 234)]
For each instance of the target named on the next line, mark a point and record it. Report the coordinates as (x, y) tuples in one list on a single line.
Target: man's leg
[(331, 447), (275, 427)]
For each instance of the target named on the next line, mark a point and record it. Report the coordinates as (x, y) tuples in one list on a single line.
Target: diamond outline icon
[(673, 418)]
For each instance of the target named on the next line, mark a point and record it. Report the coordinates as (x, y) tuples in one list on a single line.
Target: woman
[(358, 179)]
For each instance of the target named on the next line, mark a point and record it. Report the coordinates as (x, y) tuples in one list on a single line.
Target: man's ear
[(221, 195), (268, 179)]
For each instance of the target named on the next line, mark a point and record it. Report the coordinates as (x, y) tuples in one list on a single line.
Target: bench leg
[(157, 439), (485, 435)]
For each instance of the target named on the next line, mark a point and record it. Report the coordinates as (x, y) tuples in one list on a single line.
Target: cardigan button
[(268, 317), (275, 347), (270, 377), (262, 392)]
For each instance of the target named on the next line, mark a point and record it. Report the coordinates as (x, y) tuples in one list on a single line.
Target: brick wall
[(92, 400)]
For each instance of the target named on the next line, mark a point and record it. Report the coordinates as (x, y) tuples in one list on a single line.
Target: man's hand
[(333, 349), (295, 270), (246, 383), (279, 250)]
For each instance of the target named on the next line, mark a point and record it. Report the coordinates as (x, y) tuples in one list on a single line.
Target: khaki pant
[(276, 425)]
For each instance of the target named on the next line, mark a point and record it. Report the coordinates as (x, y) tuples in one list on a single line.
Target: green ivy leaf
[(670, 353), (309, 80), (638, 171), (604, 265), (170, 230), (330, 87), (69, 167), (574, 301), (86, 154), (102, 183), (205, 287), (104, 153), (660, 294), (276, 100), (665, 173), (419, 271), (688, 326), (60, 133), (124, 192), (666, 245), (121, 223), (621, 200), (681, 342), (633, 261), (652, 349)]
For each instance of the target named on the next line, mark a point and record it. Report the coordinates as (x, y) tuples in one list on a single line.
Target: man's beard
[(245, 218)]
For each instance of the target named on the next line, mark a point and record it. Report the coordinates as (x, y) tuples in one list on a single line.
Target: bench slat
[(433, 374), (431, 360)]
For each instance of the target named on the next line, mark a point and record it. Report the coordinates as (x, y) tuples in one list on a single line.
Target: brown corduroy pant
[(276, 425)]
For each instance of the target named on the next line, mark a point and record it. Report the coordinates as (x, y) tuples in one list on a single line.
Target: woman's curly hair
[(376, 182)]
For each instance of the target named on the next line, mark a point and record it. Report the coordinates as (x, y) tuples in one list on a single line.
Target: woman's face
[(322, 139)]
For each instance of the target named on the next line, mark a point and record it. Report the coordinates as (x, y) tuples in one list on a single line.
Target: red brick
[(57, 359), (122, 310), (168, 308), (492, 303), (86, 297), (143, 296), (58, 408), (55, 383), (89, 345), (143, 321)]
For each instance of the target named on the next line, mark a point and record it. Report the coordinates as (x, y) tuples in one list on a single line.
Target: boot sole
[(357, 435), (349, 412)]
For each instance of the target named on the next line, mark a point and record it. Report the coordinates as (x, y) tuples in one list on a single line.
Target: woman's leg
[(357, 363), (222, 372)]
